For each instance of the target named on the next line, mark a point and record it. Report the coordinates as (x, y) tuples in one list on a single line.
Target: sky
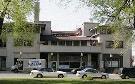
[(64, 17)]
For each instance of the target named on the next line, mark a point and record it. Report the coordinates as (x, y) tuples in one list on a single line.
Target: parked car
[(128, 73), (92, 73), (74, 71), (47, 72)]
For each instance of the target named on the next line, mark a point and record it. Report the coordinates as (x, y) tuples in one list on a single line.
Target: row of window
[(114, 44), (21, 42), (101, 31), (72, 43)]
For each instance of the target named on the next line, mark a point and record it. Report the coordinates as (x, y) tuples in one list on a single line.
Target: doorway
[(94, 61), (54, 65)]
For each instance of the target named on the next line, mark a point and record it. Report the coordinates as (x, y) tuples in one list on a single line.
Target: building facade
[(66, 50)]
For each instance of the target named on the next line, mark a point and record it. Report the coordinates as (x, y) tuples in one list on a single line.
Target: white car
[(47, 72), (92, 73)]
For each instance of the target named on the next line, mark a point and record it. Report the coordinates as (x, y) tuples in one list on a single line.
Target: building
[(66, 50)]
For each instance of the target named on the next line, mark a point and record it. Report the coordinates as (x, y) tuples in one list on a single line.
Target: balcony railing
[(56, 48)]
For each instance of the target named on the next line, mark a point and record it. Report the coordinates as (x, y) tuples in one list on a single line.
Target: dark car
[(128, 73)]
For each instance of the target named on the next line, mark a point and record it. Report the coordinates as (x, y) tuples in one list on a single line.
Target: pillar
[(49, 60), (101, 62), (89, 60), (58, 60)]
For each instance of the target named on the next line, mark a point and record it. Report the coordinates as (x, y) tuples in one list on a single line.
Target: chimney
[(36, 11)]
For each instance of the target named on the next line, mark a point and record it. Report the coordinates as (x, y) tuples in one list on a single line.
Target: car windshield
[(84, 70)]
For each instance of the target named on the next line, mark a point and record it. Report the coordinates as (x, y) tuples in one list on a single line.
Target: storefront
[(69, 61), (112, 62)]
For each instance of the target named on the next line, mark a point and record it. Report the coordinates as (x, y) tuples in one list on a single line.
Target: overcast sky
[(62, 18)]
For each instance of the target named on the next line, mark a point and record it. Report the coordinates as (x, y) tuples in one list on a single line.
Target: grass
[(63, 81)]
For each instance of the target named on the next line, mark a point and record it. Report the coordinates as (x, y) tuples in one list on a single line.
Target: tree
[(118, 14), (14, 13)]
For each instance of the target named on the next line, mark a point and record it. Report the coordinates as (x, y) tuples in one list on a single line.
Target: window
[(74, 64), (2, 44), (76, 43), (120, 44), (62, 43), (68, 43), (83, 43), (21, 42), (53, 42), (93, 42), (111, 44), (45, 43)]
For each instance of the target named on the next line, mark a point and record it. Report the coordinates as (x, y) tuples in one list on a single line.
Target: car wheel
[(39, 75), (16, 70), (84, 76), (126, 77), (60, 76), (103, 77)]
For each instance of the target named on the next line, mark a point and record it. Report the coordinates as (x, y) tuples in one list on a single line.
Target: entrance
[(94, 61), (54, 65), (44, 56), (3, 63)]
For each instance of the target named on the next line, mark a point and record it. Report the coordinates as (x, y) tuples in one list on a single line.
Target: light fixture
[(51, 53), (20, 53), (81, 54), (110, 55)]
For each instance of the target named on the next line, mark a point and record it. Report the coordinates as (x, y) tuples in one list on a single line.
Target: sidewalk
[(114, 76)]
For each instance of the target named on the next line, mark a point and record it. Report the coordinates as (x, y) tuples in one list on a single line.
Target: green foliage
[(15, 14), (117, 14)]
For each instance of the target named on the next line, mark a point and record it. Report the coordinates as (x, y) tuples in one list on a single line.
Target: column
[(58, 61), (89, 60), (49, 60), (10, 54), (101, 62)]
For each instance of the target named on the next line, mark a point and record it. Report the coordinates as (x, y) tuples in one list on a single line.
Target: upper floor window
[(76, 43), (62, 43), (53, 42), (22, 42), (45, 43), (68, 43), (112, 44), (93, 42), (83, 43), (2, 44)]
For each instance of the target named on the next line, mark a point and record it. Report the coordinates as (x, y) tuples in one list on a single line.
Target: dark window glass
[(68, 43), (62, 43), (120, 44), (111, 44), (2, 44), (76, 43), (45, 43), (21, 42), (83, 43), (74, 64), (53, 42)]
